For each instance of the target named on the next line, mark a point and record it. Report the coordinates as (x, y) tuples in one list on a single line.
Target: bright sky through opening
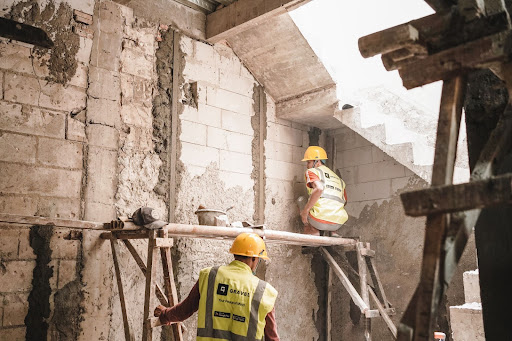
[(332, 28)]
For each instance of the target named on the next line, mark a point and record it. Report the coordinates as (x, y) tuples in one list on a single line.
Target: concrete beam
[(244, 14)]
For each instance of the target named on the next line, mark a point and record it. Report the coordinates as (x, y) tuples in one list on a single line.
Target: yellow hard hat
[(315, 153), (250, 245)]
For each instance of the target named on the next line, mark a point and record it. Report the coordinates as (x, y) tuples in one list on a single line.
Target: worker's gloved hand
[(159, 310)]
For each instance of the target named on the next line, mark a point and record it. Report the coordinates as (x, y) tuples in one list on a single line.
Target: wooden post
[(379, 289), (328, 305), (431, 284), (147, 331), (363, 280), (170, 286), (115, 252), (383, 313)]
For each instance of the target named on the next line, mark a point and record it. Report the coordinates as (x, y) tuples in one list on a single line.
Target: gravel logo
[(222, 289)]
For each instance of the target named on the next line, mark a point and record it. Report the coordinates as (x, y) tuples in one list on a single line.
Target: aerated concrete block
[(22, 179), (194, 133), (16, 306), (233, 121), (283, 134), (60, 153), (471, 286), (467, 323), (235, 162), (75, 130), (104, 84), (17, 148), (9, 243), (102, 136), (16, 276), (230, 141), (30, 120), (106, 49), (135, 62), (204, 114), (199, 155), (228, 100), (356, 156), (103, 111)]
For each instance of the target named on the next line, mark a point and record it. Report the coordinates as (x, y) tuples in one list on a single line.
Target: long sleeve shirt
[(190, 305)]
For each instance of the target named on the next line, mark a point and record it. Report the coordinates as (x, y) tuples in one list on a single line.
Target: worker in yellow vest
[(233, 303), (325, 208)]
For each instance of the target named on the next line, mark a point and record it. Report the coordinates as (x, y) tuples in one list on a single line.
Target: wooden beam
[(383, 313), (389, 40), (244, 14), (440, 5), (431, 284), (115, 252), (11, 29), (147, 331), (373, 313), (481, 53), (175, 102), (158, 291), (363, 281), (345, 281), (462, 197), (30, 220)]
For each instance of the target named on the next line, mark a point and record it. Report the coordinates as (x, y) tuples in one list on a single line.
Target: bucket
[(207, 216)]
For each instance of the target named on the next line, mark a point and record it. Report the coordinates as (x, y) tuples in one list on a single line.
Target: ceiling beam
[(244, 14)]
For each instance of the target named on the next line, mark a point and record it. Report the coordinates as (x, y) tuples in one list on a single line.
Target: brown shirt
[(185, 309)]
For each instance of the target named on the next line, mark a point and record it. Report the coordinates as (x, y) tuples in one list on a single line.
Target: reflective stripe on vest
[(330, 205), (209, 332)]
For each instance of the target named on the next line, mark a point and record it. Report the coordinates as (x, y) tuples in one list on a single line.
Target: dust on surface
[(57, 23)]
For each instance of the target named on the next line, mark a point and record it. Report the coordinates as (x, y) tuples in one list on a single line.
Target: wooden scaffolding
[(162, 239), (462, 36)]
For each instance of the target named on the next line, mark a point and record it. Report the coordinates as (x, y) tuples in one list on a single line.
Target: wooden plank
[(175, 102), (345, 281), (243, 15), (440, 5), (31, 220), (11, 29), (449, 63), (158, 291), (363, 280), (383, 313), (430, 286), (164, 242), (170, 286), (115, 252), (261, 148), (328, 305), (394, 38), (373, 313), (367, 252), (462, 197), (147, 331), (378, 287)]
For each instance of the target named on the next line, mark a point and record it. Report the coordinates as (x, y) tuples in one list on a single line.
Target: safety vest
[(233, 303), (331, 205)]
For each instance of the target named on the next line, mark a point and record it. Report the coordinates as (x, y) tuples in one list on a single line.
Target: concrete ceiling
[(206, 6), (282, 60)]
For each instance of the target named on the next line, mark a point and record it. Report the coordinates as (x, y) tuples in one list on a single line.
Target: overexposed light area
[(333, 27)]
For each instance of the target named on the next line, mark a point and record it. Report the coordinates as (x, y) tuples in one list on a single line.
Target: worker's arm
[(271, 327), (180, 311), (318, 189)]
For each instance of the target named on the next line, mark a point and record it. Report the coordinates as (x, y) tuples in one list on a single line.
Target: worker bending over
[(233, 303), (325, 208)]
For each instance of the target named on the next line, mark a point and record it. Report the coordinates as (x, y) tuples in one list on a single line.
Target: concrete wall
[(374, 181), (87, 136)]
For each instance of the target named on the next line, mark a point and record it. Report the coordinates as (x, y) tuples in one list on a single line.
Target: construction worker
[(233, 303), (325, 208)]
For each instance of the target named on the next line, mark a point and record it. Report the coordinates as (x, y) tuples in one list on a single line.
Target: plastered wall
[(374, 182), (89, 138)]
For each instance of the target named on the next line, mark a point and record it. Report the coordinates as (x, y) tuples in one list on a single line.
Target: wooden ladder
[(157, 240), (365, 265)]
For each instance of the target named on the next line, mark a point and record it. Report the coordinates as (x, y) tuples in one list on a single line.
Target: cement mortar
[(56, 22)]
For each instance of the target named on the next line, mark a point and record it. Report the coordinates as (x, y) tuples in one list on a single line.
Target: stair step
[(467, 323), (471, 286)]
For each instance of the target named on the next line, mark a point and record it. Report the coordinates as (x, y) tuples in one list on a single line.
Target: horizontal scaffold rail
[(131, 230)]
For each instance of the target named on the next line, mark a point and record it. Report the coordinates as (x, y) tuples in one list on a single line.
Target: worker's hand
[(159, 310), (304, 216)]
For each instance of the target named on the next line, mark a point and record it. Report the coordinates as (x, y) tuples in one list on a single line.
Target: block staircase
[(402, 129), (466, 320)]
